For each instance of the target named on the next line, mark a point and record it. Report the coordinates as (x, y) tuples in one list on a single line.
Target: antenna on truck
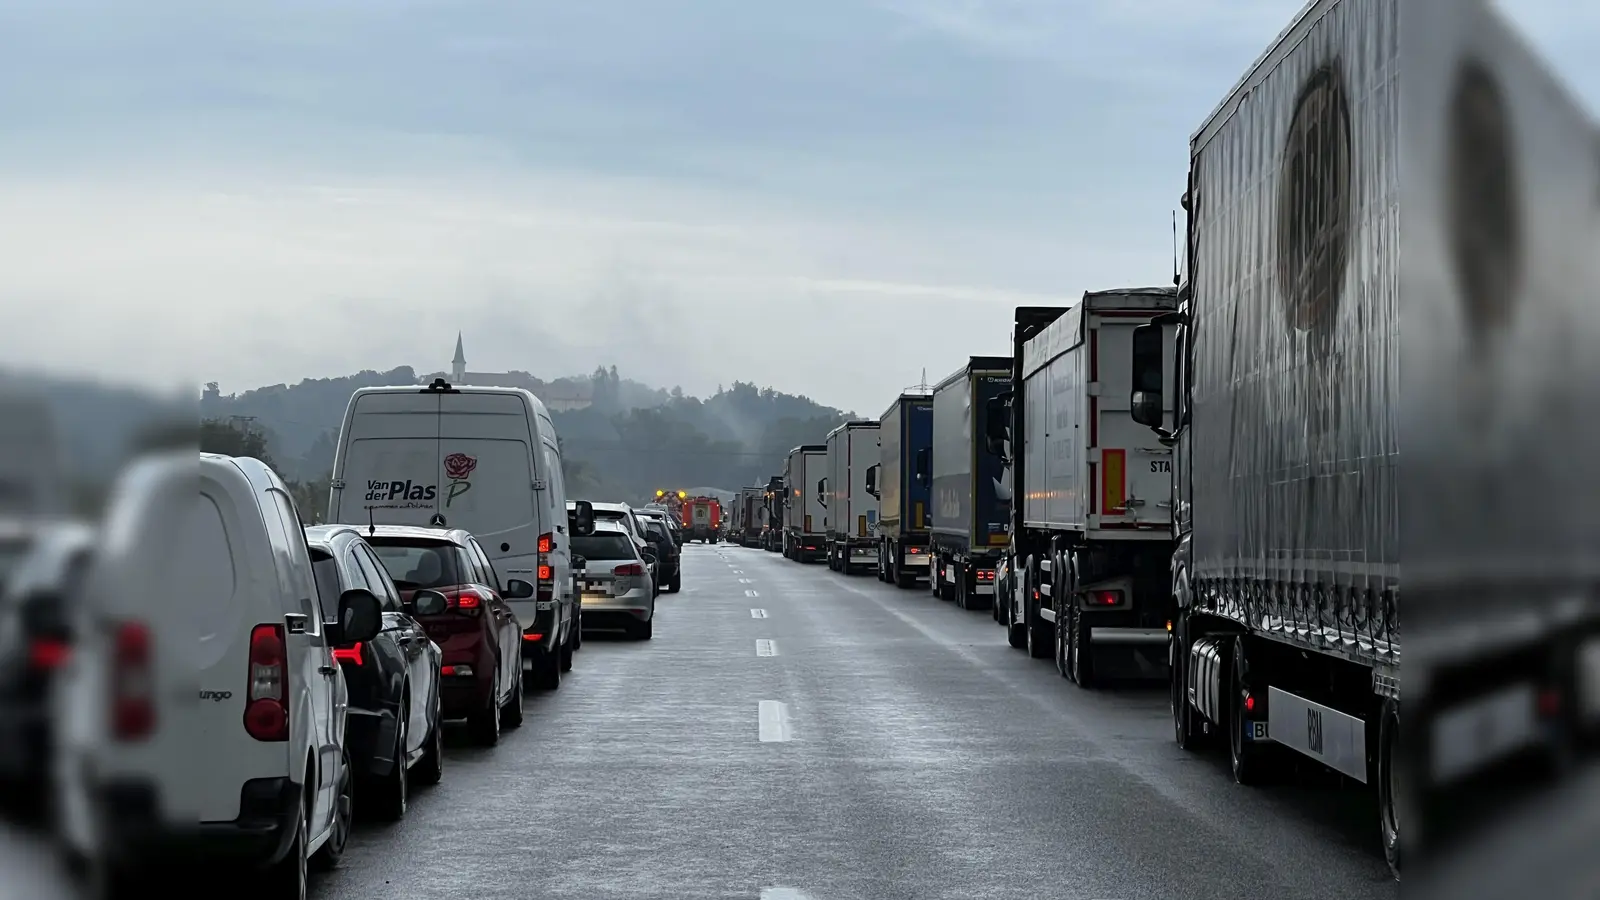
[(372, 525)]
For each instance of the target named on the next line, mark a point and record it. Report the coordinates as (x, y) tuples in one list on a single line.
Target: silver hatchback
[(615, 582)]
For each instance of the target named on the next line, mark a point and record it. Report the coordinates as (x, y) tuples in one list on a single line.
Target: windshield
[(604, 545), (417, 564)]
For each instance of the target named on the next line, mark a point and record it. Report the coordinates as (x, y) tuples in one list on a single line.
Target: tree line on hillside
[(629, 441)]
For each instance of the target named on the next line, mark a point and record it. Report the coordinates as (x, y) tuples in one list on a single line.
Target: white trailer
[(805, 516), (852, 511)]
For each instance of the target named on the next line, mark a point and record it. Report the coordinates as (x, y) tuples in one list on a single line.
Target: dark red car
[(481, 672)]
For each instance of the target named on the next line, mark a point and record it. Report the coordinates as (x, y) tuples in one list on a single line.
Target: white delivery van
[(484, 459)]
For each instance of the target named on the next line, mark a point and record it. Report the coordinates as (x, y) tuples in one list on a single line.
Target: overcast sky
[(826, 196)]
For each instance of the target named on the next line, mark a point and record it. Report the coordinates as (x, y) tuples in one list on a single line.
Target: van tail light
[(133, 708), (266, 711), (45, 654), (350, 654), (547, 574), (629, 570)]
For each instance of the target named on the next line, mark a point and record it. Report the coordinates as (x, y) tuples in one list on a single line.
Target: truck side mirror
[(1146, 403), (822, 492), (872, 479), (581, 518), (924, 458), (997, 423)]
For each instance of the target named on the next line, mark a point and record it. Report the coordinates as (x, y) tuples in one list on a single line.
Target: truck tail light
[(1104, 598), (266, 711), (985, 574), (133, 709)]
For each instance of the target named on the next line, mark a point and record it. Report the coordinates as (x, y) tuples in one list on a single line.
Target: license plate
[(594, 586), (543, 605), (1256, 731)]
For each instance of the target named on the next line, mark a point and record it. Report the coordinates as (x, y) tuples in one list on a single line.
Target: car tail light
[(547, 574), (466, 600), (266, 711), (1104, 598), (532, 636), (985, 574), (48, 653), (350, 654), (133, 710), (632, 570)]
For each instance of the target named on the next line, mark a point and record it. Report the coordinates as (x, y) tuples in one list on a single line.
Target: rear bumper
[(461, 695), (265, 827)]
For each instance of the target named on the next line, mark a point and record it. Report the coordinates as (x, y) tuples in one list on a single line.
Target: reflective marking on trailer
[(772, 721)]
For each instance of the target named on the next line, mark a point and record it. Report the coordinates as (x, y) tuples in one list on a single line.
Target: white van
[(484, 459), (255, 772)]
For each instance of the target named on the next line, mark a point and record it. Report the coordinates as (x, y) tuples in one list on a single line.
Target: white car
[(253, 771), (615, 581)]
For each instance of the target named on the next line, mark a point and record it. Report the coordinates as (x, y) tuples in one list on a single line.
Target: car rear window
[(603, 545), (417, 564)]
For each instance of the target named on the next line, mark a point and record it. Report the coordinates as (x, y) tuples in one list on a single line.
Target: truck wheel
[(1016, 632), (958, 590), (1082, 649), (1249, 761), (1040, 641), (1391, 784), (1186, 727), (1063, 648)]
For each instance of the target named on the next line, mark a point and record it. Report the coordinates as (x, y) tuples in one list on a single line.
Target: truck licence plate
[(1256, 731)]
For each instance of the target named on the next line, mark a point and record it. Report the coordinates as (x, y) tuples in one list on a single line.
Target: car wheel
[(430, 768), (548, 664), (391, 792), (511, 714), (485, 723), (577, 627), (567, 648), (343, 809), (642, 631), (677, 581)]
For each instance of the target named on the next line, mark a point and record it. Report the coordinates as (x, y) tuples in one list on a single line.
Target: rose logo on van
[(458, 467)]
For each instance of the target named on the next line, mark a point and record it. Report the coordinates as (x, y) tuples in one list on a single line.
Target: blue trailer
[(901, 483)]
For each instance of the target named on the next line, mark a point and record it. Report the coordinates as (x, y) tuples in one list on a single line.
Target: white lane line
[(738, 571), (751, 594), (744, 581), (758, 614), (772, 719), (766, 648), (783, 893)]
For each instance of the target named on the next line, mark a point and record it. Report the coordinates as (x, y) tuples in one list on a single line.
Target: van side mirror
[(997, 423), (517, 589), (1146, 403), (360, 617), (872, 479), (924, 465), (581, 518)]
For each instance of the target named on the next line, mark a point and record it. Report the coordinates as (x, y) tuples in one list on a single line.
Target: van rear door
[(389, 461), (487, 468)]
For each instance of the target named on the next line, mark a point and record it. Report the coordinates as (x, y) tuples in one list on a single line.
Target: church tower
[(458, 366)]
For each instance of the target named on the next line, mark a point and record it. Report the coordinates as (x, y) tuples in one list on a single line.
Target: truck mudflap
[(915, 557)]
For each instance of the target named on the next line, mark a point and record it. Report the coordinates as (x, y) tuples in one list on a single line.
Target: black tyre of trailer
[(958, 588), (1017, 632), (1251, 763), (1080, 645), (903, 577), (1039, 640), (935, 574), (1392, 785)]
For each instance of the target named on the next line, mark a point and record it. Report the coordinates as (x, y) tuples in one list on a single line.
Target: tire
[(903, 579), (959, 589), (1016, 632), (485, 723), (676, 584), (1037, 638), (391, 793), (1187, 727), (577, 627), (511, 713), (547, 672), (1392, 786), (1063, 649), (430, 768), (329, 854), (567, 648), (1249, 763), (287, 878)]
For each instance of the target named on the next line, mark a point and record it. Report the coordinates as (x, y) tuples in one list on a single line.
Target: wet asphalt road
[(914, 755)]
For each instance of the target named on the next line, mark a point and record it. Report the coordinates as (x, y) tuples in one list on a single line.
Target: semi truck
[(804, 516), (969, 487), (749, 513), (773, 503), (1091, 541), (852, 509), (900, 482)]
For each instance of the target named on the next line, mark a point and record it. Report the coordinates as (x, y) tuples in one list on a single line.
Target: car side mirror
[(581, 518), (517, 589), (360, 617), (1146, 404), (427, 603), (649, 553)]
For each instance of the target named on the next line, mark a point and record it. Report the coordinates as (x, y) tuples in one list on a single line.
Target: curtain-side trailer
[(969, 487), (901, 483)]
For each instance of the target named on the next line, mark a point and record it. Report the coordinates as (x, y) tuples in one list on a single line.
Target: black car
[(670, 573), (393, 730), (41, 567)]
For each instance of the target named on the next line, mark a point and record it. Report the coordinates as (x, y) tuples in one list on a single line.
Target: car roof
[(611, 507), (457, 536), (605, 525)]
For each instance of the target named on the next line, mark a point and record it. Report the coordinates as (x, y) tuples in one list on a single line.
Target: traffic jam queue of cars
[(458, 577)]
